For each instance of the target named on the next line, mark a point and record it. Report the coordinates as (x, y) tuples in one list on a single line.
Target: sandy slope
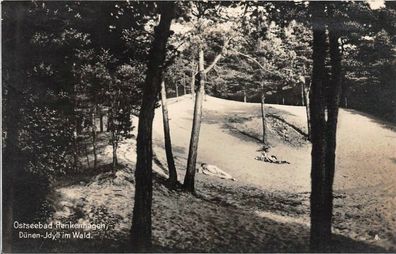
[(230, 150), (365, 177), (366, 151)]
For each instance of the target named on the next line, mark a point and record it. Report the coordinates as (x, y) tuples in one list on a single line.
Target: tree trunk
[(75, 149), (320, 219), (141, 219), (302, 94), (193, 70), (244, 96), (307, 106), (111, 123), (94, 139), (115, 146), (193, 150), (115, 158), (189, 178), (333, 101), (87, 156), (108, 120), (262, 102), (184, 84), (167, 136), (101, 122), (177, 91)]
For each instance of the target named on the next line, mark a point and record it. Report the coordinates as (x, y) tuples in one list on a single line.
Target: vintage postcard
[(198, 126)]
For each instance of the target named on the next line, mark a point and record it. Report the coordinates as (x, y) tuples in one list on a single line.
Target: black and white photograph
[(198, 126)]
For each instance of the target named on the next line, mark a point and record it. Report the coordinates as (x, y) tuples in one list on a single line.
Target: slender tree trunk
[(320, 219), (75, 149), (193, 71), (115, 146), (167, 136), (141, 219), (307, 106), (94, 139), (244, 95), (108, 120), (111, 123), (87, 157), (101, 122), (264, 138), (302, 94), (115, 158), (189, 178), (177, 91), (262, 102), (184, 84)]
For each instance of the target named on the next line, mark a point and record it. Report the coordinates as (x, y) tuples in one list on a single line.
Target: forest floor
[(265, 210)]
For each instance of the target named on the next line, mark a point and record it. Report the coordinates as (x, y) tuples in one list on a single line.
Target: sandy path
[(366, 151)]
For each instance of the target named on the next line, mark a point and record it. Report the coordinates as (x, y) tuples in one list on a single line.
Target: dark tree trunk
[(333, 101), (323, 131), (94, 139), (108, 120), (262, 102), (141, 219), (189, 178), (302, 94), (167, 136), (101, 122), (115, 160), (111, 124), (115, 146), (345, 90)]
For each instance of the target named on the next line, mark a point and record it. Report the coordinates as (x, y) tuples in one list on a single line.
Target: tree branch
[(251, 58), (218, 57)]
